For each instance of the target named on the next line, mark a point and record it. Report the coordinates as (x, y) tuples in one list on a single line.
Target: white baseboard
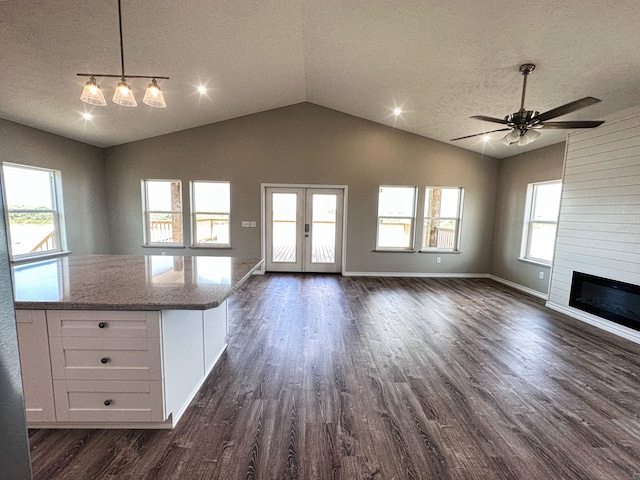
[(517, 286), (415, 274), (611, 327)]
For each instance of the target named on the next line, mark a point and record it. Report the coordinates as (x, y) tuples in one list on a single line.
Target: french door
[(304, 229)]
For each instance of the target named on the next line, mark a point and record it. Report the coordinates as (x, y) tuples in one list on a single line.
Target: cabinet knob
[(102, 325), (104, 360), (107, 403)]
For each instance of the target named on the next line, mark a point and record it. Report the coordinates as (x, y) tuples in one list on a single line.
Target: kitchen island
[(121, 341)]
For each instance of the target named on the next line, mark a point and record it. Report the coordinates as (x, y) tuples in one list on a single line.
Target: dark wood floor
[(376, 378)]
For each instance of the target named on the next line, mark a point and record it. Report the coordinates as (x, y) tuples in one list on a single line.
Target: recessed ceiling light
[(486, 138), (397, 112), (202, 90), (87, 116)]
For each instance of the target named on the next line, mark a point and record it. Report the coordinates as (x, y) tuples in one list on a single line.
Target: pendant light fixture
[(92, 93)]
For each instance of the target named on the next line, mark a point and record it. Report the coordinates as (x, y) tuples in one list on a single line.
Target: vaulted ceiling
[(439, 61)]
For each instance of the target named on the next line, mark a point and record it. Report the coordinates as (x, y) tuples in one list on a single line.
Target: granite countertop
[(129, 282)]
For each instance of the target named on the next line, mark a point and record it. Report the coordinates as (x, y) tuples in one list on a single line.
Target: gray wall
[(14, 444), (82, 170), (515, 173), (307, 144)]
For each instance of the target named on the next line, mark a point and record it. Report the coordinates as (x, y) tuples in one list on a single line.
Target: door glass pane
[(284, 227), (323, 229)]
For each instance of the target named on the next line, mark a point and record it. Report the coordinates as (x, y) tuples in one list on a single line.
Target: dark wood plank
[(386, 378)]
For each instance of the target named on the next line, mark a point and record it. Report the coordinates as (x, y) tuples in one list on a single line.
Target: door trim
[(263, 217)]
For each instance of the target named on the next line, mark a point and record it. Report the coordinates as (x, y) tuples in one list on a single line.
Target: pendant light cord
[(121, 43)]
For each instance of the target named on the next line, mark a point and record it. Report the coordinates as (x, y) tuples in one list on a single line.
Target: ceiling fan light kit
[(92, 93), (523, 125)]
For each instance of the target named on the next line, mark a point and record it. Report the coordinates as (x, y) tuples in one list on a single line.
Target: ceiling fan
[(523, 125)]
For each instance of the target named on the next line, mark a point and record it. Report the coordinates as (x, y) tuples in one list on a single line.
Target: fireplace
[(610, 299)]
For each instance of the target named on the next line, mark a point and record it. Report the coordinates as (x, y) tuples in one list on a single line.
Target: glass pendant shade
[(92, 94), (124, 95), (153, 96)]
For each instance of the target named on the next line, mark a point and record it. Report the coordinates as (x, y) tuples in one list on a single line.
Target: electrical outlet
[(246, 224), (252, 224), (438, 259), (541, 275)]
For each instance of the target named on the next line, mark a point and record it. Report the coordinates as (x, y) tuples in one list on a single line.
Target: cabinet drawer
[(103, 324), (78, 358), (108, 401)]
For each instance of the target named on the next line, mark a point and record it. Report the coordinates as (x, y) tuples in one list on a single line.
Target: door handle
[(306, 229)]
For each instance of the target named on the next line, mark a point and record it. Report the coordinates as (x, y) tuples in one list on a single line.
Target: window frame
[(457, 220), (146, 213), (57, 211), (529, 222), (195, 212), (413, 219)]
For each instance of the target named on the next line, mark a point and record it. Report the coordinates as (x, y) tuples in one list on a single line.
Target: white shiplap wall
[(599, 225)]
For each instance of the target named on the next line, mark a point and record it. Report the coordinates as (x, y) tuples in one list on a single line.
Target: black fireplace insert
[(610, 299)]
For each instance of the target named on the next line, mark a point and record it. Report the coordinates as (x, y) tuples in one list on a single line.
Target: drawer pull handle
[(107, 403), (104, 360), (102, 325)]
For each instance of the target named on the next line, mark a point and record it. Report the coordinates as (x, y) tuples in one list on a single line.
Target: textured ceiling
[(440, 61)]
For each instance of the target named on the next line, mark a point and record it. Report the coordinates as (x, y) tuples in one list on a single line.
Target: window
[(396, 217), (541, 221), (34, 211), (210, 205), (162, 200), (442, 211)]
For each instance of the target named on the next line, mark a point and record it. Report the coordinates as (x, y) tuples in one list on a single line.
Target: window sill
[(392, 250), (167, 245), (540, 263), (39, 258), (212, 247)]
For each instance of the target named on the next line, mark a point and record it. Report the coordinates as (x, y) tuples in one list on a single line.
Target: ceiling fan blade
[(490, 119), (478, 134), (573, 124), (567, 108)]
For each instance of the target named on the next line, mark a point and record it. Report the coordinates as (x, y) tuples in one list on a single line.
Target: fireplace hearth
[(606, 298)]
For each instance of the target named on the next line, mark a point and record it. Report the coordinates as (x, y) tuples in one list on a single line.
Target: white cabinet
[(33, 343), (116, 369), (193, 341), (106, 366)]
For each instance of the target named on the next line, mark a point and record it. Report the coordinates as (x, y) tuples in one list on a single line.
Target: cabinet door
[(33, 343)]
